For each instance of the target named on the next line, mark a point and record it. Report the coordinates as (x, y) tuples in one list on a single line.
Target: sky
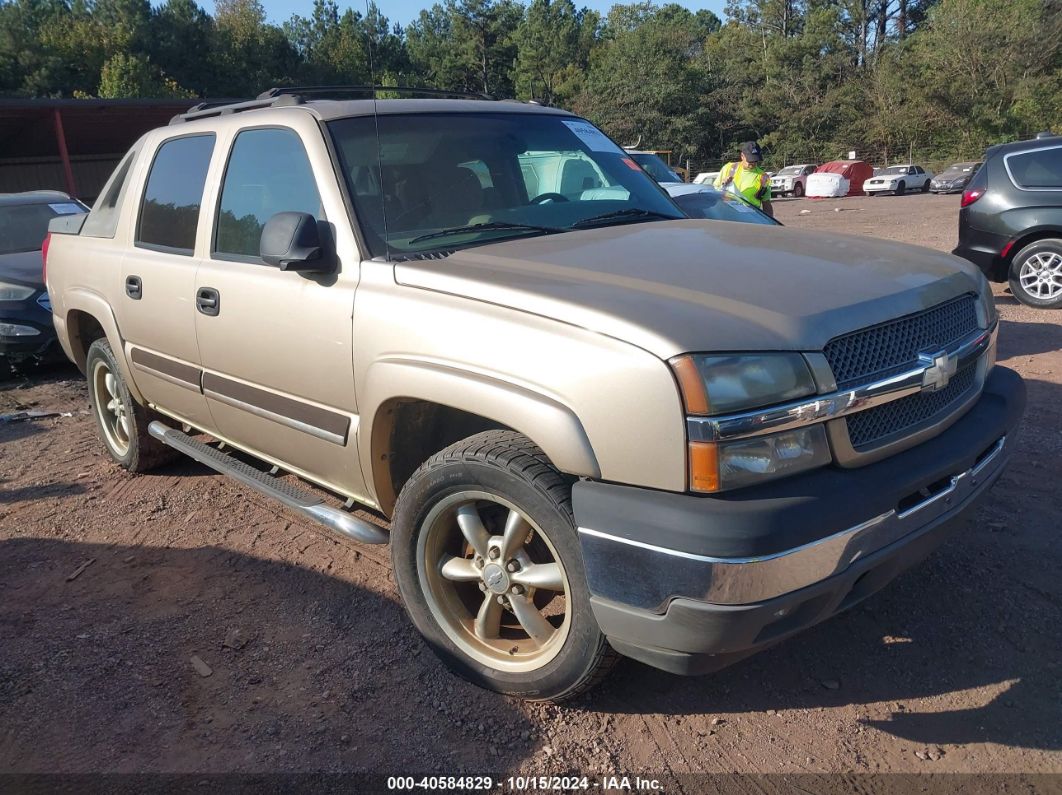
[(405, 11)]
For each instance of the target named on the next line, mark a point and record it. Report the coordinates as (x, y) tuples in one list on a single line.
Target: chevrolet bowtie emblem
[(940, 367)]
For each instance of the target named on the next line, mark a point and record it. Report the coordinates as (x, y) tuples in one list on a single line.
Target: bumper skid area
[(661, 599)]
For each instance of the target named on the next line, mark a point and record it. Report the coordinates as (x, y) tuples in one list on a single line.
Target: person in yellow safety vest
[(747, 179)]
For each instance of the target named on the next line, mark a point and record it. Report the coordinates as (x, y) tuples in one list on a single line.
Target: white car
[(899, 180), (792, 180), (705, 178)]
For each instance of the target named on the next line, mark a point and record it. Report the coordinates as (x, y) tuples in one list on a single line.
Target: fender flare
[(552, 425), (91, 303)]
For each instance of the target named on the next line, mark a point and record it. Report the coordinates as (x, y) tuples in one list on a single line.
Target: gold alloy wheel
[(493, 581), (110, 409)]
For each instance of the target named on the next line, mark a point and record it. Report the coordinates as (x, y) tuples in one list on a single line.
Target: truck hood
[(674, 287)]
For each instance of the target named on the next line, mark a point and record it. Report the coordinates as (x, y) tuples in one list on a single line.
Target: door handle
[(208, 301), (134, 288)]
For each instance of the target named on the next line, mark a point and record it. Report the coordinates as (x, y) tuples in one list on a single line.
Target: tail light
[(970, 195), (44, 257)]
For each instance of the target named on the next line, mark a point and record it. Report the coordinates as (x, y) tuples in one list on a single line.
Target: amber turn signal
[(691, 383), (704, 466)]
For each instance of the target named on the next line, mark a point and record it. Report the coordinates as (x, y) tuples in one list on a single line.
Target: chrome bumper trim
[(841, 403), (747, 580)]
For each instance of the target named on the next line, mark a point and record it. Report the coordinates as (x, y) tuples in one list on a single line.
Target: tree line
[(809, 79)]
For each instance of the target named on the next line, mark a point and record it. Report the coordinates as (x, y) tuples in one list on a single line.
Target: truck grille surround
[(892, 347)]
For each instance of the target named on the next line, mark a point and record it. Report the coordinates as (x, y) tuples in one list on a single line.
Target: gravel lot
[(314, 667)]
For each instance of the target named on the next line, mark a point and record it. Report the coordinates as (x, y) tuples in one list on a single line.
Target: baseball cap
[(751, 150)]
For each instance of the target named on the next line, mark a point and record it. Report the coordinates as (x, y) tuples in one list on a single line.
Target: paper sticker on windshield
[(65, 208), (596, 140)]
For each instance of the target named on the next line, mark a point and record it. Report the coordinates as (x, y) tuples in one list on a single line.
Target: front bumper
[(691, 584)]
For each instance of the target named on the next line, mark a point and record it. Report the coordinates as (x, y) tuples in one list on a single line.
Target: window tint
[(268, 173), (103, 220), (170, 209), (1039, 169)]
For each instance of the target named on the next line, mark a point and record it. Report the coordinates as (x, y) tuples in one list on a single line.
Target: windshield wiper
[(630, 214), (459, 230)]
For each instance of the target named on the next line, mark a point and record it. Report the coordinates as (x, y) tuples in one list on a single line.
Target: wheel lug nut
[(483, 586), (513, 566), (479, 563), (501, 600), (494, 553), (517, 589)]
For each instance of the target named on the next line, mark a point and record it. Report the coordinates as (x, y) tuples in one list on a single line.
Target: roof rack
[(329, 92), (282, 96)]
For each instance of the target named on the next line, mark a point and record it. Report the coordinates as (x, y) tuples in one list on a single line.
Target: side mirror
[(292, 242)]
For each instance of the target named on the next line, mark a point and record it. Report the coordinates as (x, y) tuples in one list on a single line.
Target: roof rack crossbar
[(324, 91), (208, 109)]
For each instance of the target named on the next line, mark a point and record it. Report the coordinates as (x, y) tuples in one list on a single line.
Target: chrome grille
[(906, 415), (882, 350)]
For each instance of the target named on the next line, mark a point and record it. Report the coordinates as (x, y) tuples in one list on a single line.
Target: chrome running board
[(298, 500)]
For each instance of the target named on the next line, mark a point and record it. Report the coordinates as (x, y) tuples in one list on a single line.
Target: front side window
[(444, 181), (1038, 169), (268, 173), (169, 211)]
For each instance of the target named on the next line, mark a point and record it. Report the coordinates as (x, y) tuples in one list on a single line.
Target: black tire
[(901, 189), (925, 187), (142, 451), (798, 190), (509, 465), (1048, 248)]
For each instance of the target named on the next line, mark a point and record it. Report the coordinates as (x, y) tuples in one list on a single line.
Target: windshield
[(956, 169), (718, 206), (657, 168), (790, 171), (896, 170), (447, 181), (23, 227)]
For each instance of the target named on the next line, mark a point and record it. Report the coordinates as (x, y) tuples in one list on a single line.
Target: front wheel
[(925, 187), (1036, 274), (488, 563), (901, 189), (798, 190)]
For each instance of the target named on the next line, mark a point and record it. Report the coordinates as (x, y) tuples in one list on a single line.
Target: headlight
[(726, 384), (719, 466), (723, 384), (15, 292), (16, 330)]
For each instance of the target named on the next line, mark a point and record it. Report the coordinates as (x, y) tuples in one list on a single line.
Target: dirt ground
[(314, 667)]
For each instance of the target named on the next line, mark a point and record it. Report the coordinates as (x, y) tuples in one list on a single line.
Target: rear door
[(277, 347), (156, 314)]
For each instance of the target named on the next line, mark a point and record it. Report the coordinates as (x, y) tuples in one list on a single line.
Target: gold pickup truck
[(595, 425)]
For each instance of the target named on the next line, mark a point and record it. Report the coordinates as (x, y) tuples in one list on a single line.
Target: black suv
[(1010, 224)]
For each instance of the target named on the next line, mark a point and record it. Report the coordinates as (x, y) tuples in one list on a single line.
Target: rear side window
[(169, 211), (103, 220), (268, 173), (1038, 169)]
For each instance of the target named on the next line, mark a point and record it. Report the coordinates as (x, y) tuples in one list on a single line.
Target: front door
[(158, 280), (277, 347)]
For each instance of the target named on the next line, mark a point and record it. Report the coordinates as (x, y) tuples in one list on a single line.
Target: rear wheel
[(925, 187), (121, 421), (487, 560), (1036, 274), (798, 190), (901, 189)]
